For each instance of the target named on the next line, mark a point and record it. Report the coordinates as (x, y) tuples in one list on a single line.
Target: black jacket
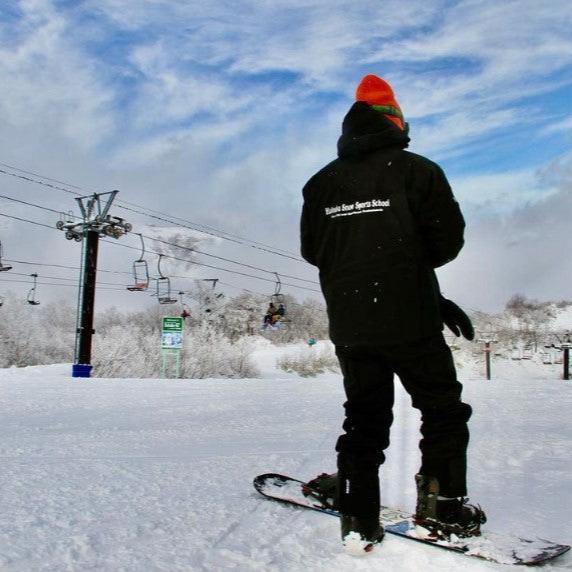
[(376, 222)]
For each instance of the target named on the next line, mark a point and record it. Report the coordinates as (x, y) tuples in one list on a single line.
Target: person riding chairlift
[(272, 315)]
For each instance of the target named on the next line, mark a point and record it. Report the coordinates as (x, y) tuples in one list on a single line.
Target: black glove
[(455, 319)]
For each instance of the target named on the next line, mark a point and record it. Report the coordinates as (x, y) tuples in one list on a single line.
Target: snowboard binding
[(437, 518), (323, 489)]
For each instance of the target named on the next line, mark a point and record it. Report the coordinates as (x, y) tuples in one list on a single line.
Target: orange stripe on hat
[(378, 93)]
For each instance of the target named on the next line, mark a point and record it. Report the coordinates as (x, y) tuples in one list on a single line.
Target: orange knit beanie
[(378, 93)]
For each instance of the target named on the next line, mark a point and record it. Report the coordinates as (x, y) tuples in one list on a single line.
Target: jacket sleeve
[(440, 221), (306, 235)]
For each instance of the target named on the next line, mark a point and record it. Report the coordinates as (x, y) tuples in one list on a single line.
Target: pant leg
[(368, 383), (427, 371)]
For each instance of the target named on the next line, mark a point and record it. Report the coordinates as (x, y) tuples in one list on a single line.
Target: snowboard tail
[(494, 547)]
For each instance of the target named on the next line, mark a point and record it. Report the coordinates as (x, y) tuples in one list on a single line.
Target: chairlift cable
[(29, 221), (2, 279), (176, 245), (195, 251), (177, 276), (41, 176), (241, 241), (14, 261), (222, 283), (67, 279), (175, 218), (121, 204), (33, 205), (30, 180), (261, 294), (128, 203), (169, 256), (214, 267)]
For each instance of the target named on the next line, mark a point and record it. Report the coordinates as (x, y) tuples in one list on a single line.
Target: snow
[(563, 319), (152, 475), (354, 545)]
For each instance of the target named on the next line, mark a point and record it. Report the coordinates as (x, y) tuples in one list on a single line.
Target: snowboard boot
[(323, 489), (438, 518), (358, 501), (361, 533)]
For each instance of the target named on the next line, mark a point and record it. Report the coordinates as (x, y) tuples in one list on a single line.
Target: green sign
[(172, 333)]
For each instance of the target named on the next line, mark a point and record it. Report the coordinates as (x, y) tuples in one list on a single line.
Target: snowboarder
[(376, 222)]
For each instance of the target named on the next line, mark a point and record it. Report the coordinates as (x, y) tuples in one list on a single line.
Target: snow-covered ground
[(145, 475)]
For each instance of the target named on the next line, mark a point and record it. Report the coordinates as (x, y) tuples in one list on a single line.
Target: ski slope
[(152, 475)]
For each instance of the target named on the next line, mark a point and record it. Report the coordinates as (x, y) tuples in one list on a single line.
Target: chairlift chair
[(3, 267), (141, 277), (164, 291), (211, 299), (140, 272), (163, 286), (32, 293), (185, 312), (278, 300)]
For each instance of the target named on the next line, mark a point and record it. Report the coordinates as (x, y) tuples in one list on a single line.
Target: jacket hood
[(365, 130)]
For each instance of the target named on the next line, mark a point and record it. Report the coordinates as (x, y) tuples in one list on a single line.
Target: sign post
[(172, 343), (564, 345), (488, 339)]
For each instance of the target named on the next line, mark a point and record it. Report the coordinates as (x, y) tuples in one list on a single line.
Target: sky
[(219, 112)]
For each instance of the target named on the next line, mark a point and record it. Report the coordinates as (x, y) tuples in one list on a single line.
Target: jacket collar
[(365, 130)]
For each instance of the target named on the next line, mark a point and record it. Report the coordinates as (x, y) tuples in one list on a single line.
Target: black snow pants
[(427, 372)]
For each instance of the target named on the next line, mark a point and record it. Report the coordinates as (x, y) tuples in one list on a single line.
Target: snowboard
[(491, 546)]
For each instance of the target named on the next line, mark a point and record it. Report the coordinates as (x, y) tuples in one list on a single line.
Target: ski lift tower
[(95, 221)]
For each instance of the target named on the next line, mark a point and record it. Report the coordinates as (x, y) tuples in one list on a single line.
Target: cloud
[(127, 72), (308, 38), (521, 251), (564, 125), (484, 60), (501, 193), (219, 112), (450, 134), (167, 94), (512, 42), (47, 83)]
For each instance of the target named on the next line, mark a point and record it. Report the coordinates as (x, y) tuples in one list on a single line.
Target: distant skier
[(376, 222)]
